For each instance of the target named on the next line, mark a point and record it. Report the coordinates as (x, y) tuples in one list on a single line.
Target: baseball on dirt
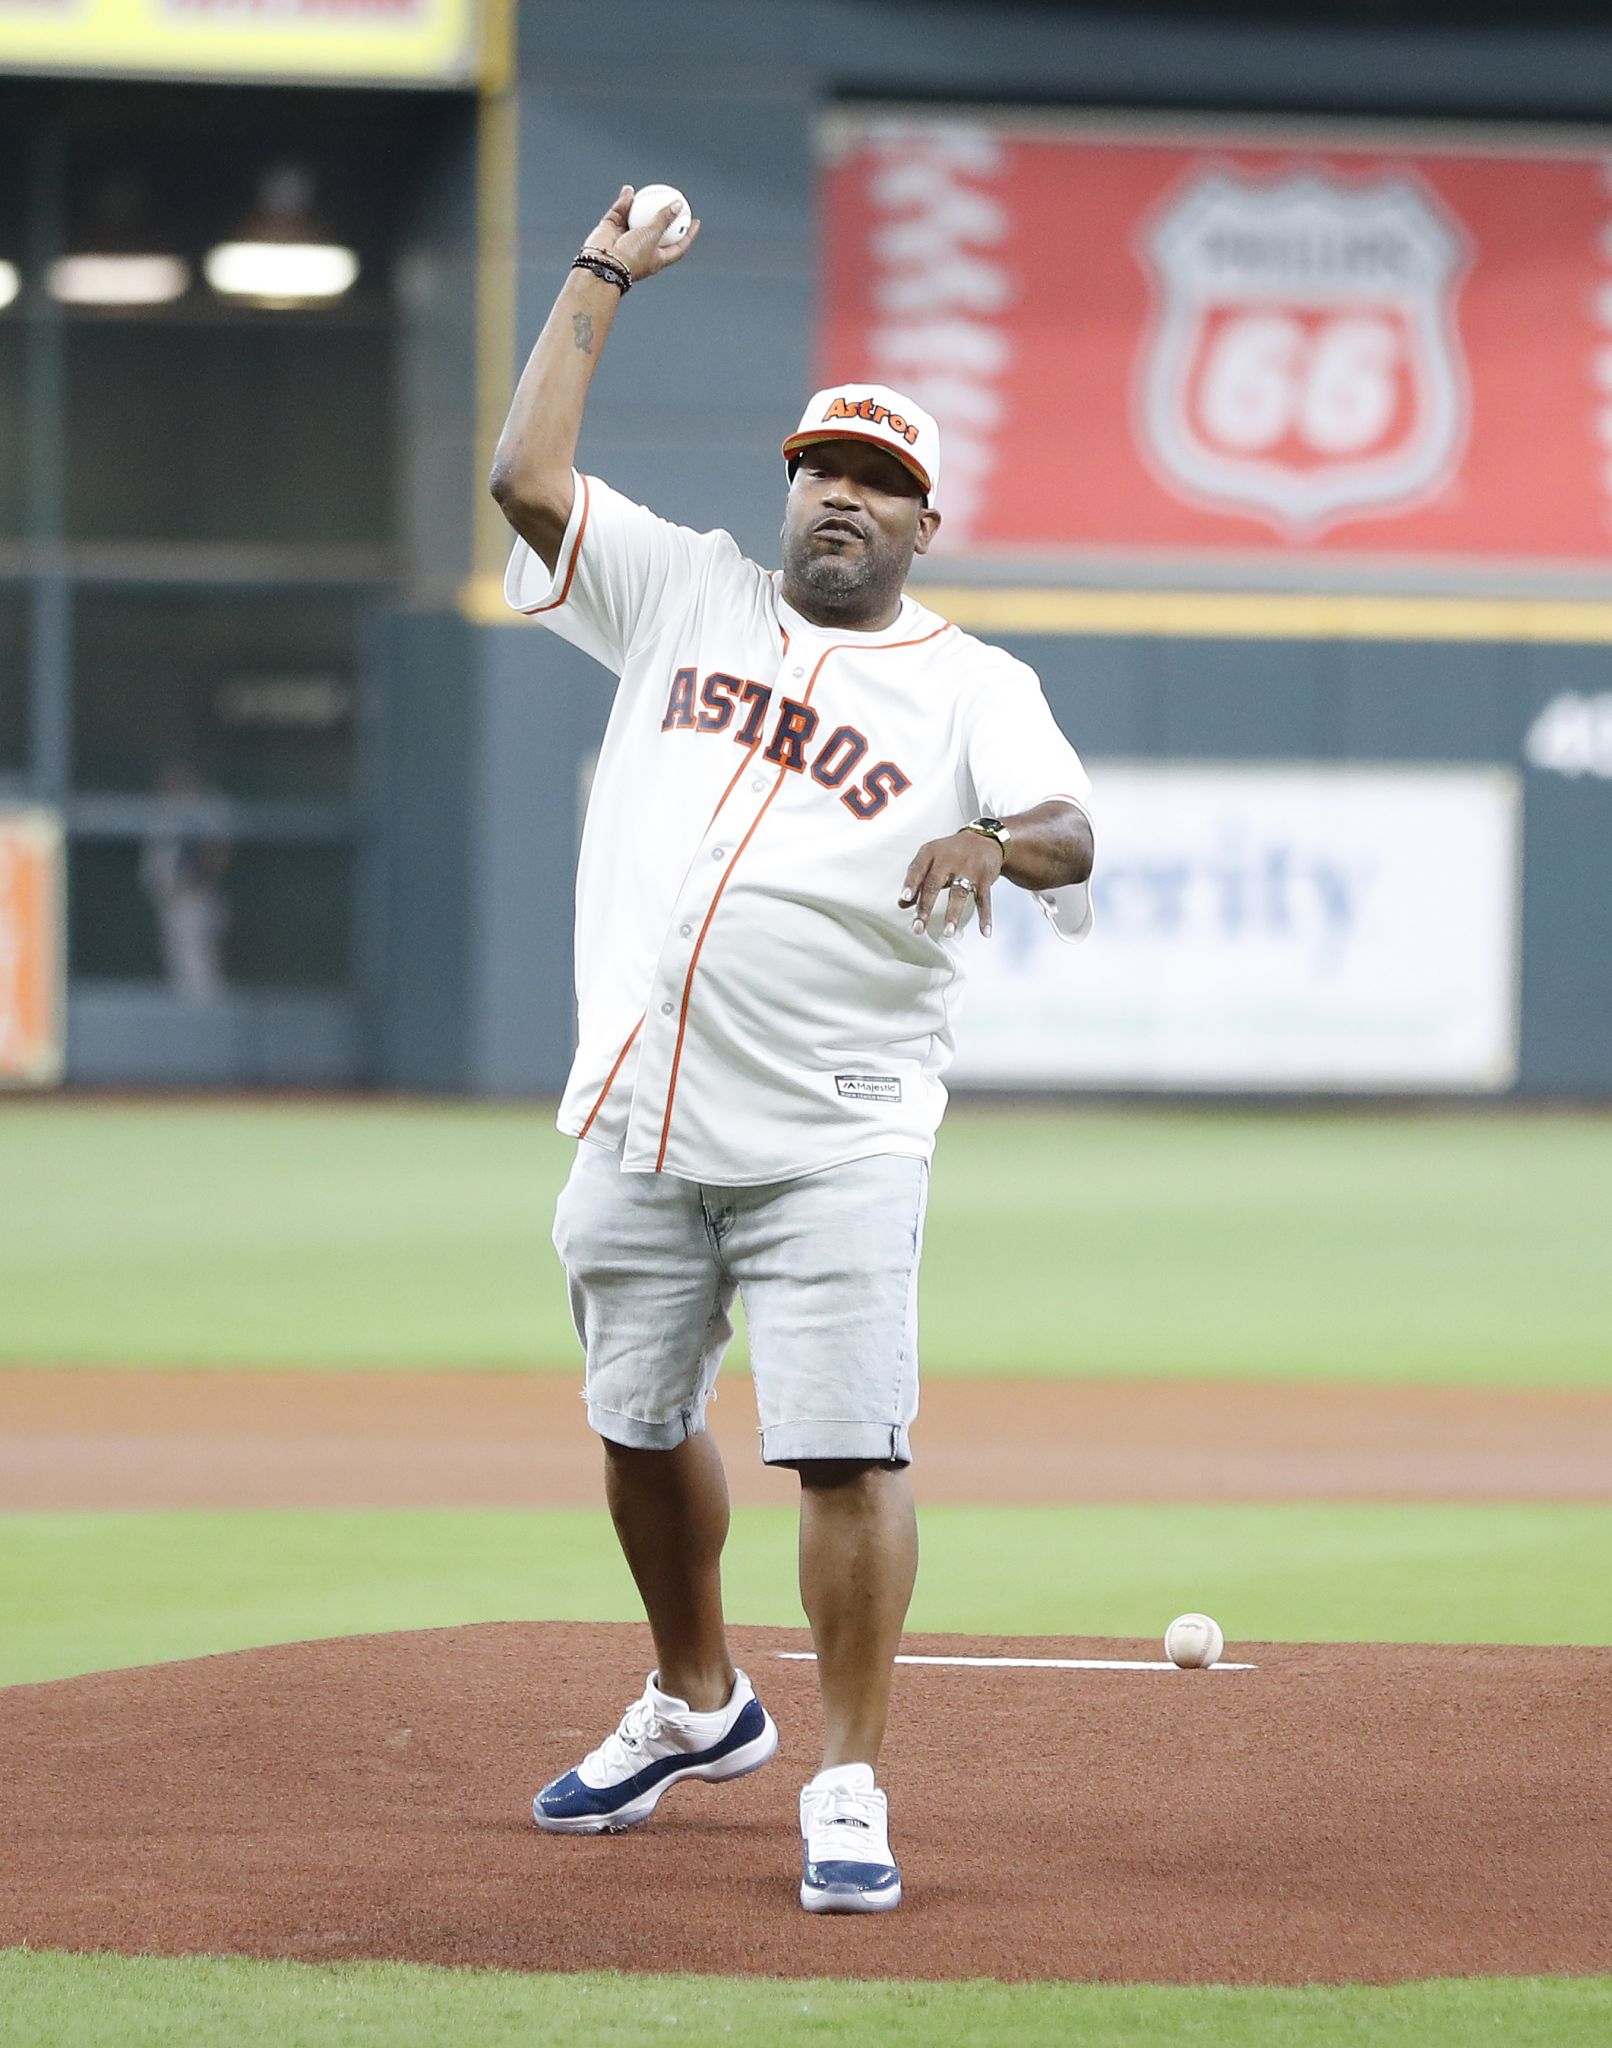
[(1193, 1641), (649, 200)]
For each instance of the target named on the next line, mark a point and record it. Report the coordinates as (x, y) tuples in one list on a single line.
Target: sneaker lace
[(845, 1826), (624, 1751)]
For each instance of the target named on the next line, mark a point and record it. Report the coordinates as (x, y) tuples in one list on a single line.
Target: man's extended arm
[(1051, 847), (532, 466)]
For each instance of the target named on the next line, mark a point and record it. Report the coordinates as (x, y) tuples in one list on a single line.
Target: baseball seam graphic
[(939, 293)]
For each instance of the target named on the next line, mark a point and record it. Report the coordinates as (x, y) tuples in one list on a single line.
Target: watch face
[(992, 825)]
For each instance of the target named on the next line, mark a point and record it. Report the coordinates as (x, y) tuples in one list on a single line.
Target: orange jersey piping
[(610, 1078), (694, 959), (554, 603), (750, 755)]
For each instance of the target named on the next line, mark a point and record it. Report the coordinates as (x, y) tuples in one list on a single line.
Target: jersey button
[(685, 931), (717, 852), (798, 673), (666, 1009), (758, 783)]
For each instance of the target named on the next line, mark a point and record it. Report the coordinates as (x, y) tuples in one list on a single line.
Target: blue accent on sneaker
[(856, 1877), (836, 1886), (569, 1799)]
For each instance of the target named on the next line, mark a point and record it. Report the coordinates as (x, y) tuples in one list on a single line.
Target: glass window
[(12, 335), (250, 694), (205, 915), (245, 432), (199, 416), (13, 681), (291, 917), (111, 932), (12, 353)]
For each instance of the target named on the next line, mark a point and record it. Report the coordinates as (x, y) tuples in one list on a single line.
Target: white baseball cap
[(873, 413)]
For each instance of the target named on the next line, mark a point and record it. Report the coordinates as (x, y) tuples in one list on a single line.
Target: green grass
[(93, 1592), (1448, 1248), (268, 1233), (143, 2002), (1443, 1249)]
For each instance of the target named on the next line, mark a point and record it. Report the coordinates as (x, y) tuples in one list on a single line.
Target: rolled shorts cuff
[(874, 1443), (634, 1434)]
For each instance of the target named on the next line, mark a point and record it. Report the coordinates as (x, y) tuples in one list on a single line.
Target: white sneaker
[(845, 1844), (659, 1743)]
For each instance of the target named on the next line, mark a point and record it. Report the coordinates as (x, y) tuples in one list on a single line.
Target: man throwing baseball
[(809, 786)]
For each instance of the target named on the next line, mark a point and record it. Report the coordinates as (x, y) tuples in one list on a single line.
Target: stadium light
[(116, 257), (283, 258), (10, 283), (280, 273), (107, 280)]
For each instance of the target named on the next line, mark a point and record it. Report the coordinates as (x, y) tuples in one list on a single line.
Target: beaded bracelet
[(609, 269), (611, 261)]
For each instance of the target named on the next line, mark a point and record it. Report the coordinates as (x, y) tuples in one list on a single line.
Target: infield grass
[(1200, 1243), (147, 2002), (93, 1592)]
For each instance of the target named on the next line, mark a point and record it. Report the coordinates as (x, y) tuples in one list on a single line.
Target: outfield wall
[(706, 370), (477, 735), (479, 922)]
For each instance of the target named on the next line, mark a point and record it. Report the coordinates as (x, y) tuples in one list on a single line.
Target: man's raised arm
[(532, 466)]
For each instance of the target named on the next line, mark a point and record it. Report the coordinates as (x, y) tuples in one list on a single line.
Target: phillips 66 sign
[(1192, 343), (1303, 362)]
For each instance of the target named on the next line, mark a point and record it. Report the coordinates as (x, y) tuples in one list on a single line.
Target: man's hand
[(964, 866), (639, 248), (1052, 848), (532, 464)]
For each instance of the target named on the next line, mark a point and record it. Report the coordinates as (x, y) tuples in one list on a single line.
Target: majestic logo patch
[(869, 1087), (1303, 363)]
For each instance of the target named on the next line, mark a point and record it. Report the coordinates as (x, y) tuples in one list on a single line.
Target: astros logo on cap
[(870, 409), (876, 414)]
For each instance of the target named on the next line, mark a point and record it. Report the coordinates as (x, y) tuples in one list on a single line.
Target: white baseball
[(1194, 1641), (649, 200)]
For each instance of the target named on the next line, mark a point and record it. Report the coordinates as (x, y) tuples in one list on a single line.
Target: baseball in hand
[(649, 200), (1193, 1641)]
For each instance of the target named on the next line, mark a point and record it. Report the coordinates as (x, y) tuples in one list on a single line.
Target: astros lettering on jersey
[(752, 1002)]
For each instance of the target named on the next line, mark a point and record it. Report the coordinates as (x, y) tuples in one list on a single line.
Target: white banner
[(1267, 928)]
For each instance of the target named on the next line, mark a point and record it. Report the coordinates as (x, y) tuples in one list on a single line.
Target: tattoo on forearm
[(582, 332)]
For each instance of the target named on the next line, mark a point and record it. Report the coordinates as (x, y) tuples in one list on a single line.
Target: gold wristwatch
[(992, 828)]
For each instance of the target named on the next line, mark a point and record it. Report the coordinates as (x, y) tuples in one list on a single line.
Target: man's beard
[(833, 572), (835, 575)]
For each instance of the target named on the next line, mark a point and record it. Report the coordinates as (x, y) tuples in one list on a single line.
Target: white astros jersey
[(753, 1002)]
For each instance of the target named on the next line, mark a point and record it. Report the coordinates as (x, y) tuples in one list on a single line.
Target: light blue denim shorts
[(827, 1268)]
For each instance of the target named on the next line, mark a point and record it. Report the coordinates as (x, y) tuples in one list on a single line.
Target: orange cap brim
[(811, 435)]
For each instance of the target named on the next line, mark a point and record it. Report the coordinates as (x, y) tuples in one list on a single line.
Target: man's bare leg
[(670, 1509), (858, 1562)]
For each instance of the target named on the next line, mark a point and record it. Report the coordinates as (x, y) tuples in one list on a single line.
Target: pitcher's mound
[(1367, 1813)]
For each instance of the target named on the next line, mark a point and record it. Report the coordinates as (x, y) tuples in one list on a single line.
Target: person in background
[(182, 871)]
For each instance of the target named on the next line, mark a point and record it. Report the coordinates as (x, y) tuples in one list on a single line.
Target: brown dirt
[(1363, 1814), (81, 1438)]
